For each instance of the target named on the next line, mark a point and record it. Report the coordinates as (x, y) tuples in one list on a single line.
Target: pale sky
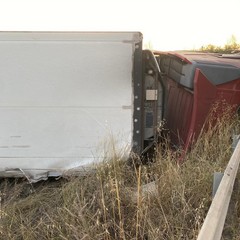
[(167, 24)]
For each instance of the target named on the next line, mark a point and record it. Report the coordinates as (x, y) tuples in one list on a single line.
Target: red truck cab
[(193, 82)]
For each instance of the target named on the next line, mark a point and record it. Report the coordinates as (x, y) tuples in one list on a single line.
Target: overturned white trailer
[(71, 99)]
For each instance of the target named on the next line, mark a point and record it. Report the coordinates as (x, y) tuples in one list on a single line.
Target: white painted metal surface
[(64, 97), (213, 224)]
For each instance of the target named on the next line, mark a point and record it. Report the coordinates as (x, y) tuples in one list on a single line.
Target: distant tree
[(210, 48), (232, 44), (232, 40), (229, 47), (148, 45)]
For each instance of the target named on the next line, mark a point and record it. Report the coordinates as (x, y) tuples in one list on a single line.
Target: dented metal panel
[(64, 99)]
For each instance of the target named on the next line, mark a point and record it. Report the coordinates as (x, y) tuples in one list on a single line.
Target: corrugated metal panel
[(178, 112)]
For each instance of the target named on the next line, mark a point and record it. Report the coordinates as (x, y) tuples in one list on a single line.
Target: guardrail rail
[(214, 222)]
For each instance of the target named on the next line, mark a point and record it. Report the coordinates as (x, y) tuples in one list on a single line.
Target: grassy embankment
[(100, 205)]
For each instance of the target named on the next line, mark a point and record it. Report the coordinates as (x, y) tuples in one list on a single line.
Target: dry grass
[(100, 206)]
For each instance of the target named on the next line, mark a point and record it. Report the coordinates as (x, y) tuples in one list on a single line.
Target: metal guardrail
[(214, 222)]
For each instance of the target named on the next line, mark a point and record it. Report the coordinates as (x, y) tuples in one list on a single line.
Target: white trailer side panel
[(63, 98)]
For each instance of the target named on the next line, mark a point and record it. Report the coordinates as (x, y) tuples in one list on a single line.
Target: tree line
[(232, 46)]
